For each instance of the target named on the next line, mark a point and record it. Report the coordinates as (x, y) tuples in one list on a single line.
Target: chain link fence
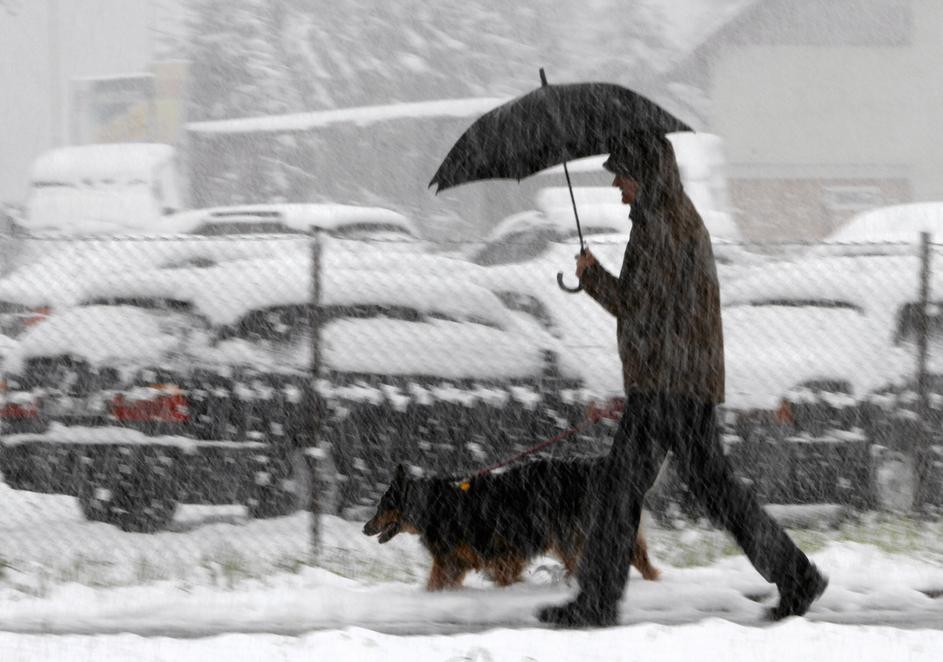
[(236, 384)]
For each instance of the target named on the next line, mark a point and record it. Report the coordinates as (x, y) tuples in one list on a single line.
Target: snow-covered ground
[(713, 639), (116, 595)]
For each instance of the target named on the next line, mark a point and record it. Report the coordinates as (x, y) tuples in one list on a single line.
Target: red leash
[(593, 416)]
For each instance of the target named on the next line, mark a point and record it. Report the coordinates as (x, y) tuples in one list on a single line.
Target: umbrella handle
[(565, 287)]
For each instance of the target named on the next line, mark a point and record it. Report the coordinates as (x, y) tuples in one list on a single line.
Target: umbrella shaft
[(569, 185)]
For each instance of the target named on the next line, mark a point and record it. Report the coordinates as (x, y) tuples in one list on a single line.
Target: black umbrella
[(549, 126)]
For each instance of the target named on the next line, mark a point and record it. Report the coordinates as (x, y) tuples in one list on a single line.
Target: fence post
[(315, 409), (921, 451)]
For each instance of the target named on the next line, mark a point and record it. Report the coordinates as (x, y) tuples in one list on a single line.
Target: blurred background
[(228, 297), (821, 106)]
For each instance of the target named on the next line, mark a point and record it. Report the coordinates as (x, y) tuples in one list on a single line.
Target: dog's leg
[(570, 559), (507, 570), (445, 574), (568, 552), (641, 561)]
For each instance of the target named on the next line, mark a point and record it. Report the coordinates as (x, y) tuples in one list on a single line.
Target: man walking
[(666, 301)]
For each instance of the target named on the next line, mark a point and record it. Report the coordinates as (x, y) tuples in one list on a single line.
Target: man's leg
[(629, 471), (708, 473)]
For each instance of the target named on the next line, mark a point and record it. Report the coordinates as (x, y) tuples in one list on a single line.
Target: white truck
[(106, 188)]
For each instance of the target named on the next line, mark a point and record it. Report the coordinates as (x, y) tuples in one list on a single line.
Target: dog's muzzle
[(386, 533)]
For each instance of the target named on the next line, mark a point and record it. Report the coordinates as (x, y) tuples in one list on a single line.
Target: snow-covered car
[(434, 371), (64, 365), (806, 342), (586, 332), (528, 234), (893, 230), (97, 403)]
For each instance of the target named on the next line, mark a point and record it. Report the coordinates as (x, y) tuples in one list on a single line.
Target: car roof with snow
[(292, 217), (895, 224), (61, 274), (112, 163), (108, 188), (226, 292)]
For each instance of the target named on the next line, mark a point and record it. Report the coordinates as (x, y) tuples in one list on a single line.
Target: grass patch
[(82, 570), (290, 564), (699, 544), (227, 568), (893, 534), (394, 567)]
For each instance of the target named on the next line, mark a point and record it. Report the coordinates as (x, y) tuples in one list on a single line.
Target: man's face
[(628, 186)]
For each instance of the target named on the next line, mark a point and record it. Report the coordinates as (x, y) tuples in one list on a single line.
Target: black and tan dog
[(499, 522)]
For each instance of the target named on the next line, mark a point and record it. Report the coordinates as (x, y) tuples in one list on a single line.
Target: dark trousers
[(651, 426)]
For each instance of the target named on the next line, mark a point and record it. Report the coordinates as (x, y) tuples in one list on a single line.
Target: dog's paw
[(549, 573)]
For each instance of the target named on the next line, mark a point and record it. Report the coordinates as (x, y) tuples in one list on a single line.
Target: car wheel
[(94, 492), (96, 484), (278, 483), (143, 496)]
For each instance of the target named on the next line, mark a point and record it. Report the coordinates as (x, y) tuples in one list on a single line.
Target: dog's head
[(393, 511)]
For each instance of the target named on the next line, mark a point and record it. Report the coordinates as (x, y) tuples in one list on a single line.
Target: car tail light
[(36, 316), (19, 410), (165, 403)]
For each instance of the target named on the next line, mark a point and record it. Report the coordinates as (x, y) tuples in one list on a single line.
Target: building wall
[(808, 209), (801, 122)]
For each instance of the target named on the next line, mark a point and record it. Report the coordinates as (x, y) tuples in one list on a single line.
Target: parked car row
[(208, 369), (177, 371)]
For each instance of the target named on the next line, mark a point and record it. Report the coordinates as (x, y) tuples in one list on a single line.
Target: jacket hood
[(650, 159)]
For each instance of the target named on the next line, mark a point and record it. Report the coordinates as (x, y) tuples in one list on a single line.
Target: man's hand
[(584, 260)]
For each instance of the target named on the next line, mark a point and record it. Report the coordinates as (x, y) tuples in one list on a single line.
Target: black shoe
[(579, 614), (796, 596)]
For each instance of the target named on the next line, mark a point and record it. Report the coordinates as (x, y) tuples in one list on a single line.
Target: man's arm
[(605, 288)]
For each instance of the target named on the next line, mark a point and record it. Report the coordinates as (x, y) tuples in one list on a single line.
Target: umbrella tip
[(543, 78)]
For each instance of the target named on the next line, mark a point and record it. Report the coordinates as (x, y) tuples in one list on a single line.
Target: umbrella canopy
[(551, 125)]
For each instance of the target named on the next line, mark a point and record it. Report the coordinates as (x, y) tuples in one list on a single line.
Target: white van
[(107, 188)]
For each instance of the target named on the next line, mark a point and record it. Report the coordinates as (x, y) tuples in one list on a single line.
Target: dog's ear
[(400, 474)]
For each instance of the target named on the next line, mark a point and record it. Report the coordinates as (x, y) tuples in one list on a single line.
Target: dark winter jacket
[(667, 297)]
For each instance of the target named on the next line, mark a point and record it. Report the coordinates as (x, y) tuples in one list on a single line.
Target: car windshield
[(223, 228), (529, 305), (371, 231)]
